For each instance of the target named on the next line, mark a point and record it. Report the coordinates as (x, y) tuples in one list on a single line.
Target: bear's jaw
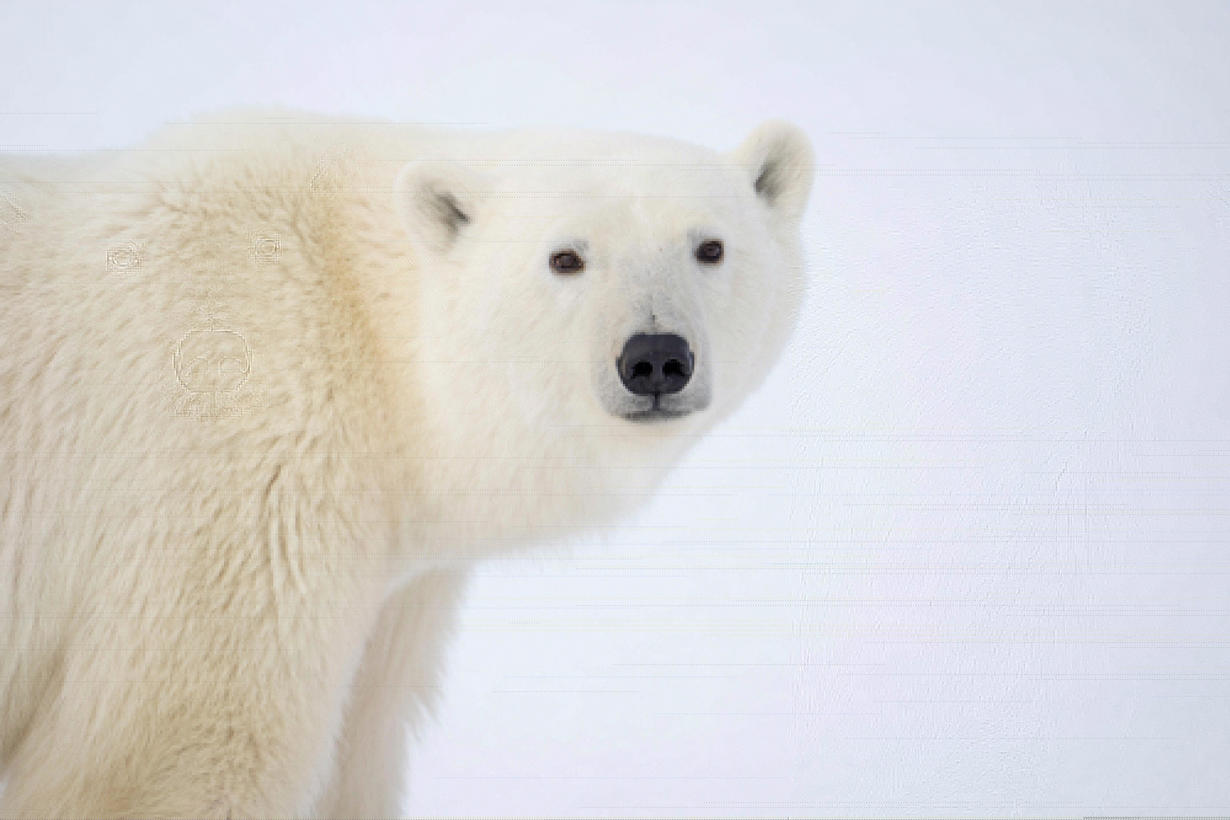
[(504, 488), (661, 408), (654, 414)]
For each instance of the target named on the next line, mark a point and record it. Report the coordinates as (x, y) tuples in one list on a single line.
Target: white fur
[(260, 408)]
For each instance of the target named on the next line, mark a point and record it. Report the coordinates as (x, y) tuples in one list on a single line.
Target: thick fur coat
[(270, 383)]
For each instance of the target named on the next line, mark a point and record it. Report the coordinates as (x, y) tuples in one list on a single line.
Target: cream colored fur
[(261, 408)]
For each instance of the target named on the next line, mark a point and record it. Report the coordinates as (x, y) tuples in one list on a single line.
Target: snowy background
[(968, 552)]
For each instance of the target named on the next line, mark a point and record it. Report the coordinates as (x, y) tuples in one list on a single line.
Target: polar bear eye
[(709, 252), (567, 262)]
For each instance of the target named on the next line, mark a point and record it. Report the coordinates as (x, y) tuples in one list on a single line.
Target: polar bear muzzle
[(655, 364)]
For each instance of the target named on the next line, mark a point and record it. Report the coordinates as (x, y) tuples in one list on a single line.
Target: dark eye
[(709, 252), (567, 262)]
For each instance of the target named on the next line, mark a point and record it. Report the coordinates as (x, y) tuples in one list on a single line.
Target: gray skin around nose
[(655, 364)]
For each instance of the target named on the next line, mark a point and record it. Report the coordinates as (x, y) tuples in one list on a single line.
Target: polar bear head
[(585, 299), (580, 279)]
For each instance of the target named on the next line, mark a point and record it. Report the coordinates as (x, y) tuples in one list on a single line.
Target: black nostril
[(653, 363)]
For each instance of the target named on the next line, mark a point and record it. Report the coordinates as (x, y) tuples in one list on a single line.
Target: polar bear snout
[(655, 364)]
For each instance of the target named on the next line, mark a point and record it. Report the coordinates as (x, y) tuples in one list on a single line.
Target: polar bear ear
[(778, 160), (437, 202)]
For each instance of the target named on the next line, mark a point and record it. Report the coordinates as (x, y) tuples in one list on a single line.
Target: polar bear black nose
[(655, 363)]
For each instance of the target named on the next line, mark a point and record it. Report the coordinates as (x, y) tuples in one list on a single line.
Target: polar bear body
[(270, 385)]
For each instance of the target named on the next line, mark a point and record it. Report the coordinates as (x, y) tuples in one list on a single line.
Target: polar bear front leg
[(393, 693), (161, 714)]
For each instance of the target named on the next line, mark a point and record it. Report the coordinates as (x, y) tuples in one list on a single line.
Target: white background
[(968, 551)]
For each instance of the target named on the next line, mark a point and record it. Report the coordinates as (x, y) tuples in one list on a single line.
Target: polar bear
[(271, 383)]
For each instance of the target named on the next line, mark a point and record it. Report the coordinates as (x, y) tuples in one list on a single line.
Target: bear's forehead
[(603, 163), (628, 184), (640, 203), (621, 184), (589, 144), (645, 175)]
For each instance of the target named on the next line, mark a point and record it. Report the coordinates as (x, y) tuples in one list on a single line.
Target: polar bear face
[(579, 281)]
